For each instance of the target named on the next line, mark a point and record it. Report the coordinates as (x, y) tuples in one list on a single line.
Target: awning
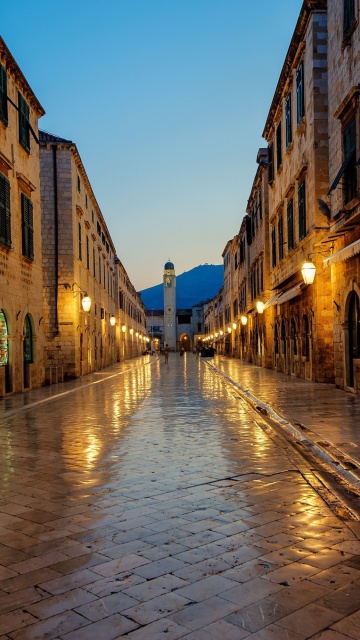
[(343, 254), (290, 293), (272, 301), (280, 298)]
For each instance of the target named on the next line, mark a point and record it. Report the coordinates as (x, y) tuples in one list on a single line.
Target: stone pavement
[(329, 419), (146, 502)]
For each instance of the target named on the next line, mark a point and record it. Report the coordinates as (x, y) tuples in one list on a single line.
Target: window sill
[(352, 204)]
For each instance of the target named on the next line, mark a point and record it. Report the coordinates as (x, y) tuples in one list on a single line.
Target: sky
[(166, 101)]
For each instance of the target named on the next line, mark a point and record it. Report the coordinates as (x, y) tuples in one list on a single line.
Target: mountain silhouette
[(192, 287)]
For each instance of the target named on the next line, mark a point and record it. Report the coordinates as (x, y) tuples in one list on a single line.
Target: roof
[(44, 136), (14, 69), (308, 7)]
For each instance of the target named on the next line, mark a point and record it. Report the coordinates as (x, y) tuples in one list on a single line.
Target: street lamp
[(244, 320), (308, 271), (112, 320), (260, 306), (86, 303)]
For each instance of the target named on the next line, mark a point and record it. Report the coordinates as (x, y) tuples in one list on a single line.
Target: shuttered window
[(281, 237), (24, 131), (349, 15), (302, 210), (271, 163), (300, 98), (288, 124), (273, 247), (79, 241), (290, 224), (278, 147), (27, 227), (350, 174), (3, 95), (5, 217)]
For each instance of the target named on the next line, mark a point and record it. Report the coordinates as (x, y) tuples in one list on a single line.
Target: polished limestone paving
[(145, 502)]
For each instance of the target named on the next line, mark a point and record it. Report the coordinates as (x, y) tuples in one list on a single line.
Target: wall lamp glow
[(112, 320), (308, 271), (244, 320), (260, 306)]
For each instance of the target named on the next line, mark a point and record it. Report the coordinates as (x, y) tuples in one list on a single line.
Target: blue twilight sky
[(166, 101)]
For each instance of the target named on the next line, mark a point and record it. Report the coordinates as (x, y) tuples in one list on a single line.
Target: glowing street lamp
[(308, 271)]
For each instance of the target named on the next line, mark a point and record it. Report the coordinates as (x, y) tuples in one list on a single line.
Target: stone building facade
[(132, 339), (296, 132), (343, 240), (304, 327), (21, 285), (78, 262)]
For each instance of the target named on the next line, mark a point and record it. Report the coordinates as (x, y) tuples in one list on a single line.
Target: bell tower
[(170, 305)]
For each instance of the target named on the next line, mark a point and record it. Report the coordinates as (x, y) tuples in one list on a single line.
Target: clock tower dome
[(170, 305)]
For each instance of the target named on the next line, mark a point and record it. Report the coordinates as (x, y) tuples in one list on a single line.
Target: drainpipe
[(56, 237)]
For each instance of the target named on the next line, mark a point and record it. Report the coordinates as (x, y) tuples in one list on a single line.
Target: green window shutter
[(3, 95), (27, 227), (24, 132), (5, 216), (350, 139), (302, 211)]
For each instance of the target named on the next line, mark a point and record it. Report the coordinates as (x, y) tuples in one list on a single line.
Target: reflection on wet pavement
[(151, 505)]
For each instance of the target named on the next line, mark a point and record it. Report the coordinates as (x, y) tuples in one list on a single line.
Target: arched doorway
[(27, 351), (185, 342), (354, 336), (4, 352)]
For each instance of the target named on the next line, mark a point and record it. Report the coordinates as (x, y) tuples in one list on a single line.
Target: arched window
[(4, 347), (276, 339), (293, 336), (354, 333), (28, 340), (283, 338), (306, 338)]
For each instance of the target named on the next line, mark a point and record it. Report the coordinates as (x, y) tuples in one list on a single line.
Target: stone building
[(79, 266), (132, 340), (296, 132), (257, 283), (21, 305), (344, 191)]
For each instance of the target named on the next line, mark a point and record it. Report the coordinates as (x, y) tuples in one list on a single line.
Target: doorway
[(354, 336)]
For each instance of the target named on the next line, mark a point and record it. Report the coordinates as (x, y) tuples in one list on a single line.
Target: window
[(80, 241), (98, 228), (281, 237), (288, 127), (86, 200), (349, 16), (3, 95), (87, 253), (24, 130), (278, 147), (78, 184), (271, 163), (350, 175), (300, 101), (290, 224), (260, 204), (92, 216), (273, 247), (27, 227), (94, 263), (5, 217), (99, 269), (302, 210)]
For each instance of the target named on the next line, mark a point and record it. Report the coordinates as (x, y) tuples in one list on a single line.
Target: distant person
[(166, 353), (182, 351)]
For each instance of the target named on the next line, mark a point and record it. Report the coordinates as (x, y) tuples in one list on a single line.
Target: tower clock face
[(169, 309)]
